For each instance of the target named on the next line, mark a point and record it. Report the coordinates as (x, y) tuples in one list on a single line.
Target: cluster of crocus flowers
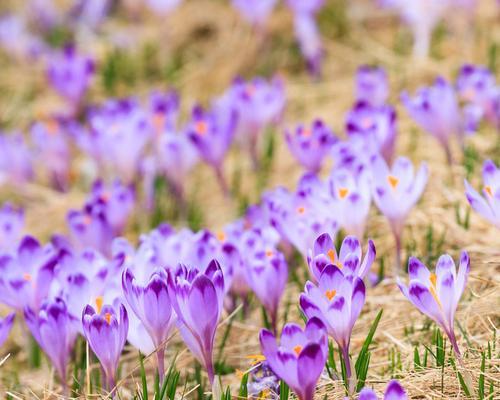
[(396, 190), (337, 300), (487, 204), (307, 32), (300, 357), (70, 74)]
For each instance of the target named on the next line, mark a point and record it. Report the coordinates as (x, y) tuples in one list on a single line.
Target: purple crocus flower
[(421, 16), (192, 291), (16, 39), (55, 330), (310, 146), (53, 151), (394, 391), (372, 86), (70, 74), (11, 226), (350, 199), (307, 33), (435, 109), (255, 12), (337, 301), (164, 108), (300, 358), (91, 13), (267, 275), (163, 6), (15, 159), (488, 204), (212, 133), (151, 304), (396, 191), (348, 259), (5, 327), (375, 125), (26, 276), (259, 104), (436, 294), (118, 121), (106, 332), (478, 87)]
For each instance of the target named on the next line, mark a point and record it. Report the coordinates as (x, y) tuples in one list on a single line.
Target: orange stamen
[(433, 290), (158, 121), (107, 317), (488, 190), (301, 210), (330, 294), (306, 132), (297, 349), (343, 192), (52, 126), (393, 181), (27, 277), (331, 255), (98, 302), (269, 253), (201, 128), (221, 236)]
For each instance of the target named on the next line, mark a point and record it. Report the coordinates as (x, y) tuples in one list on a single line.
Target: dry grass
[(214, 46)]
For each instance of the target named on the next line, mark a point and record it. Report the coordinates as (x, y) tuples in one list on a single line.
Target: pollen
[(331, 255), (256, 358), (433, 279), (433, 290), (27, 277), (107, 317), (488, 190), (297, 349), (221, 236), (343, 192), (158, 121), (269, 253), (301, 210), (201, 128), (52, 126), (393, 181), (330, 294), (306, 132), (98, 302)]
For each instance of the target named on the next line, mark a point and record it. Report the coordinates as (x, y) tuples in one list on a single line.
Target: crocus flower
[(259, 105), (70, 74), (478, 87), (337, 301), (375, 125), (118, 121), (350, 199), (310, 146), (212, 133), (348, 259), (396, 191), (164, 108), (300, 358), (52, 150), (16, 39), (91, 13), (267, 275), (11, 226), (352, 154), (307, 33), (197, 299), (436, 294), (26, 276), (15, 159), (435, 109), (106, 332), (255, 12), (163, 6), (488, 204), (151, 303), (421, 16), (5, 327), (394, 391), (372, 86), (55, 330)]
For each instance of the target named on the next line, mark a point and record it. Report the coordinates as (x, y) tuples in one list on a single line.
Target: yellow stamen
[(221, 236), (98, 302), (432, 289), (330, 294), (393, 181), (256, 358), (343, 192), (301, 210), (269, 253), (201, 128), (433, 279), (488, 190), (331, 255), (297, 349), (27, 277), (107, 317)]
